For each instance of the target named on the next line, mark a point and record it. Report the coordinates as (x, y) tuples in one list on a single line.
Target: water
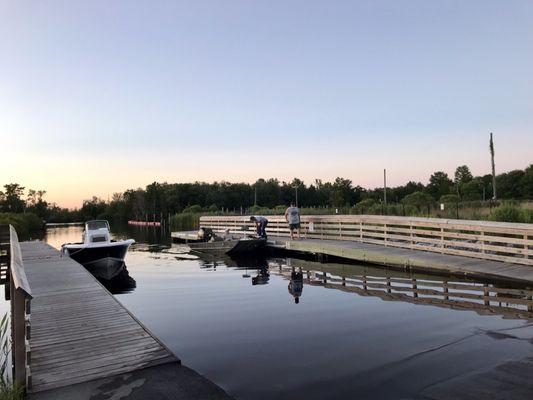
[(237, 323)]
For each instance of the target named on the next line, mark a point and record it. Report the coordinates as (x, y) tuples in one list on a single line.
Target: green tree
[(418, 199), (509, 184), (439, 184), (526, 183), (462, 175), (93, 209), (36, 204), (449, 198), (13, 198), (472, 190)]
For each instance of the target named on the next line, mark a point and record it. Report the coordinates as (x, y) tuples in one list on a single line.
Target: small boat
[(229, 246), (102, 256), (209, 241)]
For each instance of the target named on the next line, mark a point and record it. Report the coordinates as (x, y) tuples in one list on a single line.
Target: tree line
[(161, 199)]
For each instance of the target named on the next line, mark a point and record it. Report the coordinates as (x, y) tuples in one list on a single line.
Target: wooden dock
[(79, 331), (486, 249), (409, 259)]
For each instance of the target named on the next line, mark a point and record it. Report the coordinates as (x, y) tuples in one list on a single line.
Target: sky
[(100, 96)]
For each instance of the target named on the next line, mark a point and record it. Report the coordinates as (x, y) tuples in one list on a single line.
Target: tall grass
[(8, 389), (185, 221)]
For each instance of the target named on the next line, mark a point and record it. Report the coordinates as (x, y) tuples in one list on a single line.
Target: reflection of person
[(262, 277), (292, 216), (296, 285), (260, 224)]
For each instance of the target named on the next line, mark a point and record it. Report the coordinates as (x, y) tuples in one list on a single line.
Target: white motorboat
[(97, 252)]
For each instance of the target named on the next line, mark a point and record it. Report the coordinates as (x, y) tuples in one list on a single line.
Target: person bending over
[(260, 225)]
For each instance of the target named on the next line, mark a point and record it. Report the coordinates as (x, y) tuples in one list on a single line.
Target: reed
[(185, 221), (9, 390)]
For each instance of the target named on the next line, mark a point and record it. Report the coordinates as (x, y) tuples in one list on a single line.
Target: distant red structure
[(144, 223)]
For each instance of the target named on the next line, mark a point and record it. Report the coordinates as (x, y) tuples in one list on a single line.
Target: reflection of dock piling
[(479, 248)]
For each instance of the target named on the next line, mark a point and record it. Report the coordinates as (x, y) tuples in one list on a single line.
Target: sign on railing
[(500, 241)]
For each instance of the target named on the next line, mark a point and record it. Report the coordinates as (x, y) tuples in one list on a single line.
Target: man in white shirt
[(292, 215)]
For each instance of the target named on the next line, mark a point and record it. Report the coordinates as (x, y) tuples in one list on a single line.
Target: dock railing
[(20, 295), (499, 241)]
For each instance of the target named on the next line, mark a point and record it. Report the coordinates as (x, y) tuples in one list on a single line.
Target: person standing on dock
[(292, 216), (260, 224)]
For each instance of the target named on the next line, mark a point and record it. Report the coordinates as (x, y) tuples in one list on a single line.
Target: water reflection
[(482, 298), (120, 283), (512, 302), (263, 276), (296, 285)]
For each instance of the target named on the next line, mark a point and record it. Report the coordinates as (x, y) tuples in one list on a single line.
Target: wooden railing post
[(19, 336), (20, 315), (526, 247)]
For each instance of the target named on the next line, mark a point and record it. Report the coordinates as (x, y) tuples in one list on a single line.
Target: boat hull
[(102, 261), (232, 246)]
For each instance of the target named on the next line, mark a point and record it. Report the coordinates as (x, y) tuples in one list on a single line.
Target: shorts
[(294, 226)]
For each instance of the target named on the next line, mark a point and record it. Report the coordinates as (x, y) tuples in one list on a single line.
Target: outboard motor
[(206, 234)]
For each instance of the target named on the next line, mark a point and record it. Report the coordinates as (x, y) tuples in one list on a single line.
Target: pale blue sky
[(137, 91)]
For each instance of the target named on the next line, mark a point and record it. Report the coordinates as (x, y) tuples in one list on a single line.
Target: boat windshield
[(92, 225)]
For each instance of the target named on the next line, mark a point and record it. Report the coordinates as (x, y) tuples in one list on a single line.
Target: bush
[(212, 208), (24, 224), (449, 198), (192, 209), (510, 212), (418, 199)]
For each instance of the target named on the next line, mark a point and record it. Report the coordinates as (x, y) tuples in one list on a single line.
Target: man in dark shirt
[(260, 225)]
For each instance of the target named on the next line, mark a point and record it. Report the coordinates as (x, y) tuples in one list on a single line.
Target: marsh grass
[(8, 389)]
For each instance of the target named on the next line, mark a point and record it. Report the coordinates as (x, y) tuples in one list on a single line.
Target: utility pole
[(491, 146), (255, 195), (385, 187), (296, 189)]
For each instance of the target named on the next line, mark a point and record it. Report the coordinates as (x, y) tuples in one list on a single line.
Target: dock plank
[(80, 332)]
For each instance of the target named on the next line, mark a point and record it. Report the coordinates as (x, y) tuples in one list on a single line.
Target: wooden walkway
[(406, 258), (79, 331)]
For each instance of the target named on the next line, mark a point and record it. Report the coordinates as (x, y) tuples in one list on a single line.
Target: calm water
[(237, 323)]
